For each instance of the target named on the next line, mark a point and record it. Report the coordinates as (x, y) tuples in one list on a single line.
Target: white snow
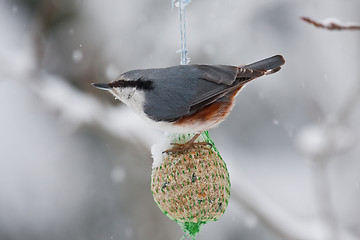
[(77, 55), (329, 21), (276, 122), (157, 152), (40, 157), (313, 140), (163, 144), (316, 140)]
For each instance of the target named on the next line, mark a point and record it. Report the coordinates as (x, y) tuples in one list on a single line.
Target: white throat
[(130, 96)]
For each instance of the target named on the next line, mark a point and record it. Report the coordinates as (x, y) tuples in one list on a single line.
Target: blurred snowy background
[(75, 163)]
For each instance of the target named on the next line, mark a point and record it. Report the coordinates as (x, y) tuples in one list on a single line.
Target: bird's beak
[(102, 86)]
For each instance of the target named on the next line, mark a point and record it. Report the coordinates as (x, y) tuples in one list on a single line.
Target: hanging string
[(181, 4)]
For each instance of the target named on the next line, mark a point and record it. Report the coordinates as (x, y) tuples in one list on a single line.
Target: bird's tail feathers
[(269, 65)]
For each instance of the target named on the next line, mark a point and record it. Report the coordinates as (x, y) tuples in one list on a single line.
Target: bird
[(187, 98)]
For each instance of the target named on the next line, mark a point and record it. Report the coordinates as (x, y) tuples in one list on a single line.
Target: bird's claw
[(181, 147)]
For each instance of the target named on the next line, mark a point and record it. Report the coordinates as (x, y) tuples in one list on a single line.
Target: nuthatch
[(187, 98)]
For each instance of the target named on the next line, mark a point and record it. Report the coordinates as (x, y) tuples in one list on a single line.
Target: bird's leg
[(180, 147)]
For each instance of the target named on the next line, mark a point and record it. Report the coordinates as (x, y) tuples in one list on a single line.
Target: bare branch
[(331, 24)]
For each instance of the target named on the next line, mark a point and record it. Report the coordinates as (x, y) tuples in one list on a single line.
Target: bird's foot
[(181, 147)]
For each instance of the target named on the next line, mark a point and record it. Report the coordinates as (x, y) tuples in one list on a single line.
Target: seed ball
[(192, 186)]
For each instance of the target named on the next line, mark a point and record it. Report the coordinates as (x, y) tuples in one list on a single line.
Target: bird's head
[(128, 88)]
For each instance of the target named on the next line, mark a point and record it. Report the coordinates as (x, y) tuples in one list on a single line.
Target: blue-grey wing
[(182, 90), (228, 79), (231, 77)]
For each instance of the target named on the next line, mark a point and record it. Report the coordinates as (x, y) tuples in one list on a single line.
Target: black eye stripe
[(138, 84)]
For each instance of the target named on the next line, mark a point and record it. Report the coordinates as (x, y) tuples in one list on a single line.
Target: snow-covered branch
[(332, 24), (79, 108)]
